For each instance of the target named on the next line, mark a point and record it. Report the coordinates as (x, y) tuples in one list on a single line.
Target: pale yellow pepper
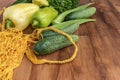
[(19, 15)]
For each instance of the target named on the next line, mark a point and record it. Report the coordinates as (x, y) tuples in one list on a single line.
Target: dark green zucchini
[(70, 29), (52, 43), (81, 14), (67, 27)]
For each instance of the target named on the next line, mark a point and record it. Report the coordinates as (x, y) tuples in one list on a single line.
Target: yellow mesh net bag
[(12, 48)]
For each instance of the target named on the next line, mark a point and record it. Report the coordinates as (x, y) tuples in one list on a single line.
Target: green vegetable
[(43, 17), (52, 43), (86, 13), (63, 5), (19, 15), (22, 1), (68, 27), (62, 16), (9, 23), (41, 2)]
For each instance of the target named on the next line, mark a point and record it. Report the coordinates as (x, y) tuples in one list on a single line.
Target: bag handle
[(31, 56)]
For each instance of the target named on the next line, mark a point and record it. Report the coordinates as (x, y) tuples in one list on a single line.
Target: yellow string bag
[(13, 45), (1, 11), (2, 26)]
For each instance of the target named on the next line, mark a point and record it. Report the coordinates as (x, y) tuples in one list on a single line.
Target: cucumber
[(52, 44), (81, 14)]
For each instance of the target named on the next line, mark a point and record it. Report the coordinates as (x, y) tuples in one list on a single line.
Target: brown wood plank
[(99, 50)]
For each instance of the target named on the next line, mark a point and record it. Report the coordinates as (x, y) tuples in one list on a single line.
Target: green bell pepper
[(44, 17)]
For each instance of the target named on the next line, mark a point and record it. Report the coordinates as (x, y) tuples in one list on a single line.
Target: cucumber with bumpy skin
[(52, 43)]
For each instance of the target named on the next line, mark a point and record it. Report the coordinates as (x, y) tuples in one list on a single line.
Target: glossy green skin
[(62, 16), (44, 17), (22, 1), (86, 13), (68, 27), (52, 44)]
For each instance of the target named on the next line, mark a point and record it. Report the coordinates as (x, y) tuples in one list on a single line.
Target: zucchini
[(52, 44), (81, 14), (67, 27), (62, 16)]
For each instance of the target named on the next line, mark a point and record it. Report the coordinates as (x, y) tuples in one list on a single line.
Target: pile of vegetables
[(53, 13), (54, 23)]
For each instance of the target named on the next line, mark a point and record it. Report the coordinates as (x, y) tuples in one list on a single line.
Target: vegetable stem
[(35, 23), (9, 24)]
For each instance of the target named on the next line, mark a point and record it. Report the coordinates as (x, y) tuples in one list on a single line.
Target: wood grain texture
[(99, 50)]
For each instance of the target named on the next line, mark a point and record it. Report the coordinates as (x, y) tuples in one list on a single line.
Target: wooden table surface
[(99, 50)]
